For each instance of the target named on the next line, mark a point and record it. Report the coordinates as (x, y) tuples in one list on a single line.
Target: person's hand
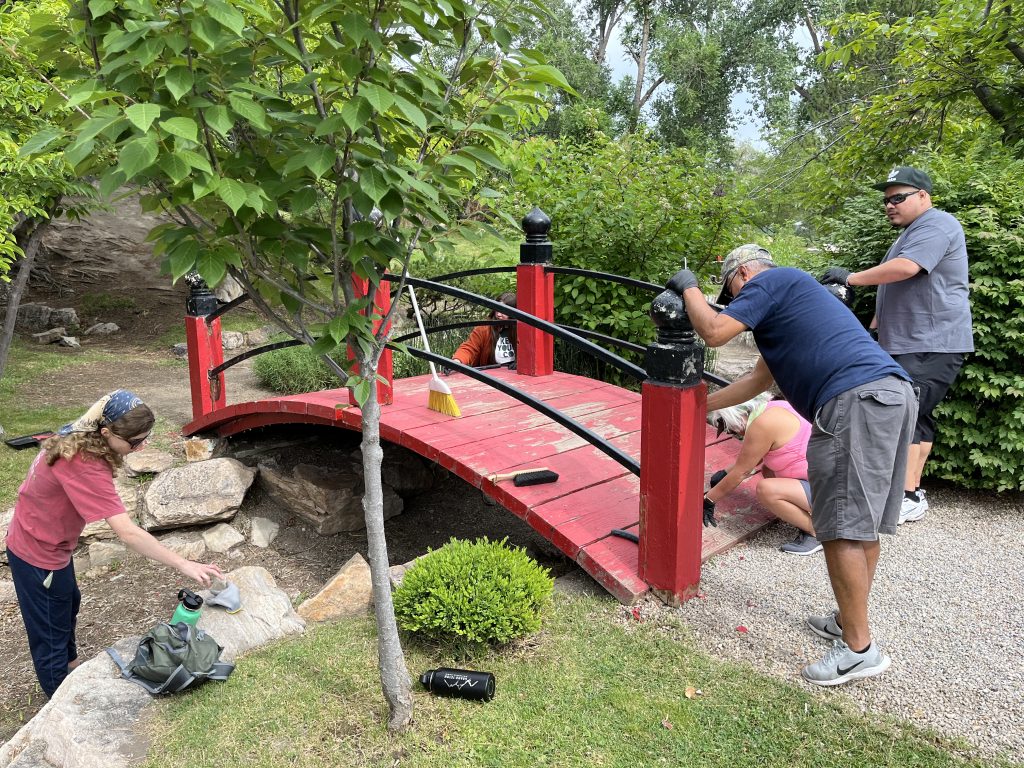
[(204, 573), (682, 280), (835, 276), (717, 478), (709, 513)]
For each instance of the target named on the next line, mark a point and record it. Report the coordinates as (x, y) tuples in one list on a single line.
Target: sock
[(912, 495), (865, 650)]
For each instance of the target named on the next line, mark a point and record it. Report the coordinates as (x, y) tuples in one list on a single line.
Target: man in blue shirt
[(922, 311), (862, 408)]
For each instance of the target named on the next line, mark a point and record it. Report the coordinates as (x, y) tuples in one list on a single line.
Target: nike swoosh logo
[(842, 671)]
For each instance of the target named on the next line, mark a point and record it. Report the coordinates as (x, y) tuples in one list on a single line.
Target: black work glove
[(709, 513), (835, 276), (716, 478), (682, 280)]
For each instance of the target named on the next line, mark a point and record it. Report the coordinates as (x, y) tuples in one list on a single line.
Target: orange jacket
[(478, 349)]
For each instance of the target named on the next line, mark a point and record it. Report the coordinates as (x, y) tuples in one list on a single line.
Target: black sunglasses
[(136, 442), (899, 197)]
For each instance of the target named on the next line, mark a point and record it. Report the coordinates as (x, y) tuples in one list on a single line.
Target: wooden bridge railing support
[(205, 349), (673, 412), (385, 366), (535, 293)]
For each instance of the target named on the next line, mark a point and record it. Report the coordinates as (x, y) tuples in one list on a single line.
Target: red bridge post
[(673, 412), (385, 366), (205, 349), (535, 293)]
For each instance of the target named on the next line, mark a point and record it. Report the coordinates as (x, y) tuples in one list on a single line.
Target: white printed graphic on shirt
[(504, 350)]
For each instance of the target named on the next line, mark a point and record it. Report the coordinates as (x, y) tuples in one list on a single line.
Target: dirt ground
[(106, 257)]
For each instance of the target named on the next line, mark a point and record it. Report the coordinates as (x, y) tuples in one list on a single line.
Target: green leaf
[(98, 8), (204, 185), (356, 113), (195, 160), (142, 115), (330, 126), (226, 16), (232, 193), (182, 258), (324, 345), (411, 112), (545, 73), (178, 81), (175, 167), (303, 200), (339, 328), (78, 152), (320, 159), (40, 141), (137, 155), (185, 127), (112, 179), (249, 109), (483, 155), (380, 99), (373, 184), (210, 266), (219, 119)]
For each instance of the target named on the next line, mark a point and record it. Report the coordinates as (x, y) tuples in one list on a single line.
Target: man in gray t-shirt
[(922, 312)]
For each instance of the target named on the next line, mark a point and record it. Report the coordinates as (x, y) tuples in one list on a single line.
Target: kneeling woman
[(773, 435), (70, 484)]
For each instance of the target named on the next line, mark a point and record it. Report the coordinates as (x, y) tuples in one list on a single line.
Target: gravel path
[(946, 606)]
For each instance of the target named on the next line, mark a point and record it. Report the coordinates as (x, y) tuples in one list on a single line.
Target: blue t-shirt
[(813, 345)]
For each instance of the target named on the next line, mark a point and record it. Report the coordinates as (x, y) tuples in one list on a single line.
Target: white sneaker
[(912, 510), (841, 665)]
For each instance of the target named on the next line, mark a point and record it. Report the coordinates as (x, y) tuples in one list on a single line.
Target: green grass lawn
[(239, 319), (28, 369), (587, 691)]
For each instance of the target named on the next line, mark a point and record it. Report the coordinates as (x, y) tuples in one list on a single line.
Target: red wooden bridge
[(632, 461)]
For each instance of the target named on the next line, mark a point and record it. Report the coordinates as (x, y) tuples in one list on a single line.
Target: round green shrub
[(473, 594), (294, 370)]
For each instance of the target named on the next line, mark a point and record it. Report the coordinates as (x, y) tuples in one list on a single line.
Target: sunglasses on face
[(133, 444), (898, 198)]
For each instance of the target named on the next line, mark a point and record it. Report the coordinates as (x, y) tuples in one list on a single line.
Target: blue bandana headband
[(104, 411)]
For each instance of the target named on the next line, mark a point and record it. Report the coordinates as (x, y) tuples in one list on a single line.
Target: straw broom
[(441, 398)]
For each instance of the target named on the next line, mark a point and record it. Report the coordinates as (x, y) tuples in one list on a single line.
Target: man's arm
[(754, 382), (892, 271), (715, 328)]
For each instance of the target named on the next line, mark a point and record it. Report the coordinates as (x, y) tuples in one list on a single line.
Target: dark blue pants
[(49, 613)]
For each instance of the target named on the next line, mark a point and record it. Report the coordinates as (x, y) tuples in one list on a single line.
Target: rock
[(95, 719), (204, 492), (262, 532), (102, 329), (104, 553), (66, 317), (33, 318), (147, 461), (331, 498), (50, 336), (348, 593), (5, 520), (191, 547), (199, 449), (397, 572), (232, 340), (405, 472), (222, 537), (7, 594), (180, 350), (228, 289), (68, 341), (259, 336)]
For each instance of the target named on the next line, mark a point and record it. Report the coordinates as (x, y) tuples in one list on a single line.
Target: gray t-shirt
[(929, 312)]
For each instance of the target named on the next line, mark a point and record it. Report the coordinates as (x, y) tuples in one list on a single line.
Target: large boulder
[(329, 498), (348, 593), (5, 520), (130, 491), (33, 318), (204, 492)]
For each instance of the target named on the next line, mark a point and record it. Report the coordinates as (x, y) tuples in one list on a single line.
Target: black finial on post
[(201, 301), (537, 248), (675, 359)]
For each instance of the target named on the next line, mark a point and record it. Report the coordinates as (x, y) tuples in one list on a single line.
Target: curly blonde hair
[(138, 420)]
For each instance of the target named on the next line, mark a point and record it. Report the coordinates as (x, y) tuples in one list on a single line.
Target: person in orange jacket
[(491, 344)]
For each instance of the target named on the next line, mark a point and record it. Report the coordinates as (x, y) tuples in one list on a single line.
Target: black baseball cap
[(907, 176)]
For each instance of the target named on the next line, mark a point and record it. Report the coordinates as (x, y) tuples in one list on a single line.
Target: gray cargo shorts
[(857, 459)]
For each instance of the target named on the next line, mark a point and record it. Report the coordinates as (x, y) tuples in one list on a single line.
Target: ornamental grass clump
[(473, 594)]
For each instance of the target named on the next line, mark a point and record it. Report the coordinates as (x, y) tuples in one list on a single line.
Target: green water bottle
[(188, 607)]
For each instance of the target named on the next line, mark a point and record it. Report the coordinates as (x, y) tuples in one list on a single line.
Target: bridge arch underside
[(497, 434)]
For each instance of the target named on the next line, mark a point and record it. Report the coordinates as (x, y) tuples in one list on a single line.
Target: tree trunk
[(30, 247), (394, 676), (641, 70)]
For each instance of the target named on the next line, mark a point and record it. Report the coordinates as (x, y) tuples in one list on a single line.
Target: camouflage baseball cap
[(737, 258)]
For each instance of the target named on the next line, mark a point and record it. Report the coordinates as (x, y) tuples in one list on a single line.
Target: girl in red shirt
[(70, 484)]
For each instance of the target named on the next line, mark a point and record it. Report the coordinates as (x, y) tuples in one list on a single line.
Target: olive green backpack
[(171, 657)]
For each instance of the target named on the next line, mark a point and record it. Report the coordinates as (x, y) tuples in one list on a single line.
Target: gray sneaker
[(911, 510), (841, 665), (803, 544), (826, 626)]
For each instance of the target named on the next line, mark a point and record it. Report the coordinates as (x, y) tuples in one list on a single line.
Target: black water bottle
[(463, 683)]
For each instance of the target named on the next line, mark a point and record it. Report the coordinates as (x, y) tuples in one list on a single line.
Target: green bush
[(295, 370), (980, 425), (472, 594)]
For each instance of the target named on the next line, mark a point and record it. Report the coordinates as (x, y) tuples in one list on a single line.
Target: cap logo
[(893, 174)]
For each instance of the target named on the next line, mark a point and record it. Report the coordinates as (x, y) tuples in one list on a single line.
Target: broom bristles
[(441, 399)]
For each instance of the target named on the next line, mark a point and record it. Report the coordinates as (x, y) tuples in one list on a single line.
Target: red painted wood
[(385, 367), (593, 493), (205, 351), (671, 487), (535, 294)]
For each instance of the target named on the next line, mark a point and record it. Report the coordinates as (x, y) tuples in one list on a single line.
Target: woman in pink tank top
[(774, 436)]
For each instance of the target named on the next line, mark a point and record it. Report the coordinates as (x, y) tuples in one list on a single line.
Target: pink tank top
[(790, 460)]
